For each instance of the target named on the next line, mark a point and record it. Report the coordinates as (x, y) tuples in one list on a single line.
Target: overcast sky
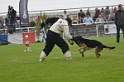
[(34, 5)]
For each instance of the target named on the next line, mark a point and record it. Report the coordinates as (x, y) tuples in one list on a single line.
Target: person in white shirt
[(100, 19), (88, 20), (54, 38), (100, 25)]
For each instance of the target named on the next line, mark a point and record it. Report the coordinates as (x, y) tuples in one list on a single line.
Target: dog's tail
[(104, 46)]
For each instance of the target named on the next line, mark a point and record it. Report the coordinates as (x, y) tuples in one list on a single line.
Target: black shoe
[(117, 41)]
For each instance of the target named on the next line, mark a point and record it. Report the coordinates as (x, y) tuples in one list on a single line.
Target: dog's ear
[(79, 36), (75, 38)]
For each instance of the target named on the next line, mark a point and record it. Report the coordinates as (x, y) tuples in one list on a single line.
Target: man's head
[(11, 7), (120, 7), (80, 10), (87, 16)]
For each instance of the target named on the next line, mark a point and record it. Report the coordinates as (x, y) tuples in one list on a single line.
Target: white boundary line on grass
[(79, 53), (75, 53)]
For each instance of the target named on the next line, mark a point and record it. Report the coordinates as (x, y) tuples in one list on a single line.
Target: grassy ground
[(19, 66)]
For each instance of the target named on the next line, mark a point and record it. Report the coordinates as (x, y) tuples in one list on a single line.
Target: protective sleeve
[(66, 30)]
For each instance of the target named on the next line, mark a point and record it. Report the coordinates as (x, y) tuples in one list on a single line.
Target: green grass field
[(19, 66)]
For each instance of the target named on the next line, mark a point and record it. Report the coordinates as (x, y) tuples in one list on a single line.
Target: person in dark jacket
[(81, 16), (12, 18), (119, 22)]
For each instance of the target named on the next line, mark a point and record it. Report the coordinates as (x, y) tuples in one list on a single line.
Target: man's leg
[(42, 56), (123, 31), (48, 48), (67, 55), (13, 23), (65, 48), (118, 34)]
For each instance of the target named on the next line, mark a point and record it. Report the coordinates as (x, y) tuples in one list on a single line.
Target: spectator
[(102, 10), (100, 19), (6, 20), (88, 12), (103, 16), (113, 13), (1, 22), (119, 22), (74, 20), (102, 13), (69, 18), (97, 13), (6, 23), (81, 16), (38, 19), (12, 16), (88, 20), (100, 24), (108, 18), (1, 25), (65, 14), (18, 21), (106, 11), (114, 10)]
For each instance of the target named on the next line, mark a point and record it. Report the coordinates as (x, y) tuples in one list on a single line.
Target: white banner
[(110, 29)]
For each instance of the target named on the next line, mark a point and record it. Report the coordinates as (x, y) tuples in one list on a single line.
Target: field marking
[(79, 53), (55, 57), (15, 60), (113, 55)]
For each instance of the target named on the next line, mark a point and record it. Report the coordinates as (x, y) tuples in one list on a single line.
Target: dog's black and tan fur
[(85, 44)]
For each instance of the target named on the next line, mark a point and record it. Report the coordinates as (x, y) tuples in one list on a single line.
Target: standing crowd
[(106, 14), (115, 14)]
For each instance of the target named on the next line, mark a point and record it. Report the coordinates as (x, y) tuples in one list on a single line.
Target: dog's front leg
[(82, 52), (82, 49)]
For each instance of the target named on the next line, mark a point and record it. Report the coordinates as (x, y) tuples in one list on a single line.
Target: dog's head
[(77, 38)]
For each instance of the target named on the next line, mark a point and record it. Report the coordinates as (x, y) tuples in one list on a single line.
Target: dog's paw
[(82, 55)]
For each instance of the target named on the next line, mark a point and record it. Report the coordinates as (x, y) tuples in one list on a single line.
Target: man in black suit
[(119, 22)]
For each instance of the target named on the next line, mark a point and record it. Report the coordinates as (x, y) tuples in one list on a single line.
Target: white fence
[(78, 29)]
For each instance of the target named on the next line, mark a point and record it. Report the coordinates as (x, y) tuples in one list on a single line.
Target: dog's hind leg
[(97, 51)]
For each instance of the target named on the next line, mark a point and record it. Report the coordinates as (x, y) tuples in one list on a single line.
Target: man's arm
[(50, 21)]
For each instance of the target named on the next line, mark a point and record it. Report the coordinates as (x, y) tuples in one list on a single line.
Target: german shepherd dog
[(85, 44)]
